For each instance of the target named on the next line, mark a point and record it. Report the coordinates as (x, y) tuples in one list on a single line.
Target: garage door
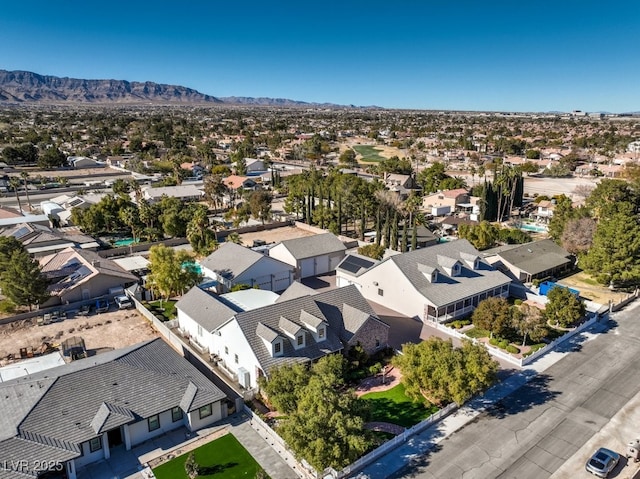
[(307, 268)]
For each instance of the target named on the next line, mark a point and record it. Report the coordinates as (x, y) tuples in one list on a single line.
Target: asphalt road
[(531, 433)]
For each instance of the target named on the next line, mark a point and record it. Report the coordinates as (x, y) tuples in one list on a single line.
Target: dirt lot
[(275, 235), (101, 332), (591, 290)]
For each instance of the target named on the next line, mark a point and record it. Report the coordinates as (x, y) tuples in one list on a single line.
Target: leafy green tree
[(434, 370), (201, 237), (8, 244), (532, 154), (610, 197), (284, 386), (170, 273), (52, 158), (327, 426), (529, 321), (121, 187), (431, 177), (614, 255), (563, 308), (494, 315), (481, 236), (372, 251), (22, 280), (530, 167), (260, 205), (347, 158)]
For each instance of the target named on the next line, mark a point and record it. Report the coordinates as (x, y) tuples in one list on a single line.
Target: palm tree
[(14, 182), (25, 176)]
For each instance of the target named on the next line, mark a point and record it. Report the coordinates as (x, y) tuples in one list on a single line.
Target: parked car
[(602, 462), (102, 305), (123, 301)]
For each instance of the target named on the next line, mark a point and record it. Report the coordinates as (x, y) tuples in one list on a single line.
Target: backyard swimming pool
[(534, 228)]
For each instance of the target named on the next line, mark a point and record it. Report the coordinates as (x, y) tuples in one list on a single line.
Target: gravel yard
[(275, 235), (101, 332)]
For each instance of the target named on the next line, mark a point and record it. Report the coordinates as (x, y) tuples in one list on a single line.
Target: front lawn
[(223, 458), (395, 407)]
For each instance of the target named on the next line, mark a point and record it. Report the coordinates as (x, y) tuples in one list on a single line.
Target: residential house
[(79, 275), (401, 184), (183, 192), (248, 344), (545, 210), (437, 283), (535, 260), (41, 240), (78, 413), (232, 264), (310, 255), (79, 162), (255, 165), (447, 198)]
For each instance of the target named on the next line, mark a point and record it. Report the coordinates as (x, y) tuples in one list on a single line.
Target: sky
[(479, 55)]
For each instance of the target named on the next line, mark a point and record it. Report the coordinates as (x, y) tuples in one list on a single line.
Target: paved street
[(533, 431)]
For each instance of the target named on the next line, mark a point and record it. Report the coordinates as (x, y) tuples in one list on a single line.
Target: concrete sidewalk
[(417, 445)]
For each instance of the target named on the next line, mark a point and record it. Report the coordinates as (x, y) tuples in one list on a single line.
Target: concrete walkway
[(417, 445)]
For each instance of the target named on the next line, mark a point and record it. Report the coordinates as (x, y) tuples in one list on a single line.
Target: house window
[(300, 340), (226, 350), (199, 330), (277, 348), (176, 414), (321, 333), (380, 292), (154, 423), (235, 358), (205, 411), (377, 343), (95, 444)]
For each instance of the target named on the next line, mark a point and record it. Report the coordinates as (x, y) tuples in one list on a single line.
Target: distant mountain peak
[(23, 87)]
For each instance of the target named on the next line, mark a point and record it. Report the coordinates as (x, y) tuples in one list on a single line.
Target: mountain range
[(22, 87)]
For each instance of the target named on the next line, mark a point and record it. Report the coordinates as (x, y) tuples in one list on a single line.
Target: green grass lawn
[(224, 458), (395, 407), (477, 333), (369, 153), (168, 306)]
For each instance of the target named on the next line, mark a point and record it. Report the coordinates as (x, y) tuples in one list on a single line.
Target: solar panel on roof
[(353, 264)]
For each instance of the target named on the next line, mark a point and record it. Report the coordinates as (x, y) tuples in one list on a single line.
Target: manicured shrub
[(512, 349)]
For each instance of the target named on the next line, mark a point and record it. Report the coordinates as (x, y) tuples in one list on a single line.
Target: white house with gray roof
[(248, 344), (437, 283), (75, 414), (310, 255), (232, 264)]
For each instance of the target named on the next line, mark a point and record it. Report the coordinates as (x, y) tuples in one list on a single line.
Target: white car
[(123, 302)]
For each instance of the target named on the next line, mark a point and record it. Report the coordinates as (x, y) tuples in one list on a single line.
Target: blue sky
[(516, 55)]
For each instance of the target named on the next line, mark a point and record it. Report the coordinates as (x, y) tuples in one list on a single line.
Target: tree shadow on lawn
[(215, 469), (404, 414), (533, 393)]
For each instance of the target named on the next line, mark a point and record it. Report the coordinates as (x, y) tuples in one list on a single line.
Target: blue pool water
[(534, 228), (124, 242)]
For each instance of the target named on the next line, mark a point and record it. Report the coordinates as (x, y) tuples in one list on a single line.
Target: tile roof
[(327, 306), (64, 406), (316, 245), (208, 310), (446, 289)]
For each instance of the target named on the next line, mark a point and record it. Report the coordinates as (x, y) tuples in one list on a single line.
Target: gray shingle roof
[(206, 309), (289, 327), (295, 290), (327, 306), (230, 260), (97, 393), (446, 290), (316, 245), (536, 257)]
